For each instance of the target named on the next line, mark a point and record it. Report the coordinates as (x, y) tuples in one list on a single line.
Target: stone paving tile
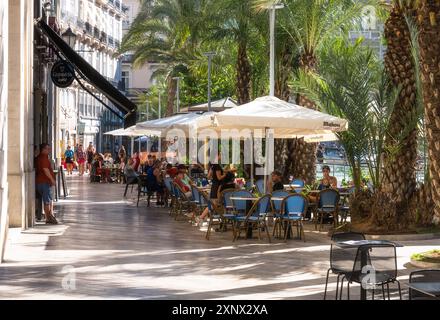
[(119, 251)]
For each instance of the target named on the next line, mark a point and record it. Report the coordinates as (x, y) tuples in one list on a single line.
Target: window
[(125, 78)]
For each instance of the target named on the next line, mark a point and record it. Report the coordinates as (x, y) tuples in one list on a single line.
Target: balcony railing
[(96, 33), (89, 29), (111, 41), (80, 24), (103, 37)]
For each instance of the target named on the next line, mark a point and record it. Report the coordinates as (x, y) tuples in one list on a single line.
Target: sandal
[(52, 220)]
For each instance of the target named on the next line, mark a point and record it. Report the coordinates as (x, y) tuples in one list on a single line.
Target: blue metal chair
[(328, 205), (169, 186), (255, 218), (294, 207), (260, 186), (213, 216), (240, 206), (344, 208), (276, 209), (183, 202), (298, 182)]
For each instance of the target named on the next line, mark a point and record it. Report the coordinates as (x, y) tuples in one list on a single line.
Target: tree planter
[(426, 260)]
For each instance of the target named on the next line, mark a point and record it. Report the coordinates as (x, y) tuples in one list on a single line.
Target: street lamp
[(273, 9), (210, 55), (178, 92), (69, 37)]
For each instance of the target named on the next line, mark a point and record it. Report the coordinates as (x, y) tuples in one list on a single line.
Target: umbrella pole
[(252, 158), (266, 158)]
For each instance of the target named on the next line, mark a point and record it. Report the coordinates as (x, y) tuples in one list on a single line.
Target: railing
[(89, 29), (80, 24), (96, 33), (103, 37), (111, 41)]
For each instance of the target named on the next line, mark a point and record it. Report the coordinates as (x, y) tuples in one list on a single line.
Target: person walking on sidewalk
[(69, 157), (45, 180), (90, 155)]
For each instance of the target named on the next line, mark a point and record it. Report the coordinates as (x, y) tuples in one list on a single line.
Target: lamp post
[(273, 9), (210, 55), (178, 92)]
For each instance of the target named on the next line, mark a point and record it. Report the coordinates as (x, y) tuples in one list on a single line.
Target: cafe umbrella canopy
[(282, 119)]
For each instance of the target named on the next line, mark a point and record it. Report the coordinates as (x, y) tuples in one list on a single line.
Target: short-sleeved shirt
[(68, 154), (43, 163)]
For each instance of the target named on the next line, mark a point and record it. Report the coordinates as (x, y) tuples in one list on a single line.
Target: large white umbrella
[(218, 105), (188, 123), (287, 120), (283, 119)]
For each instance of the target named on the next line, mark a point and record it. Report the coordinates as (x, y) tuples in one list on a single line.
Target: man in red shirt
[(45, 179)]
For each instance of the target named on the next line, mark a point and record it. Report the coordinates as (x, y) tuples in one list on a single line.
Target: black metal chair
[(381, 262), (130, 182), (338, 260), (143, 189), (423, 276)]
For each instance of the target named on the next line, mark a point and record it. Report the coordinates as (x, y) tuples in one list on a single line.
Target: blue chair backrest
[(168, 184), (240, 205), (260, 185), (277, 203), (176, 191), (248, 185), (262, 206), (295, 203), (298, 182), (204, 199), (195, 193), (328, 197), (227, 202)]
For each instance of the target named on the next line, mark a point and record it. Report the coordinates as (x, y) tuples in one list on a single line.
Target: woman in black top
[(217, 175)]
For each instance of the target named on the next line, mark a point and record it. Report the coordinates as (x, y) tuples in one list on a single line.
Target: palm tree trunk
[(172, 90), (302, 156), (243, 75), (429, 40), (282, 91), (399, 174)]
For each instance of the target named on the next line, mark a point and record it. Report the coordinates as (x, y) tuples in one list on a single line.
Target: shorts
[(81, 161), (45, 192), (69, 161)]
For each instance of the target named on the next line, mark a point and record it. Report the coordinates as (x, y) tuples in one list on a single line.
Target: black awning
[(82, 67)]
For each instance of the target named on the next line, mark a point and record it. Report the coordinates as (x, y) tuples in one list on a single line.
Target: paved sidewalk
[(106, 248)]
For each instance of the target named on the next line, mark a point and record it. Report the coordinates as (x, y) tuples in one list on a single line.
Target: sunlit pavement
[(106, 248)]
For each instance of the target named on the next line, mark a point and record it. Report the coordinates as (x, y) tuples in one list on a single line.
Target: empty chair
[(225, 200), (344, 208), (240, 206), (328, 206), (276, 210), (294, 207), (423, 276), (213, 217), (340, 262), (255, 218), (380, 260)]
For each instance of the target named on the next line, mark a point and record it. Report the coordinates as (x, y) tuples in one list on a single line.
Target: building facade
[(98, 28), (135, 80)]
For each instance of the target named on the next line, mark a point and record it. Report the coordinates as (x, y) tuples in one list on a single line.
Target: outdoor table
[(431, 289), (249, 201), (364, 253)]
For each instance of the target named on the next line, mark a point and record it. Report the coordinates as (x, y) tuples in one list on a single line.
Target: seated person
[(171, 171), (129, 172), (327, 181), (182, 182), (276, 182), (228, 181), (136, 161)]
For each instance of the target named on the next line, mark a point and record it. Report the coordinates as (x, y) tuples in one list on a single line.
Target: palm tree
[(429, 27), (236, 24), (165, 32), (309, 24)]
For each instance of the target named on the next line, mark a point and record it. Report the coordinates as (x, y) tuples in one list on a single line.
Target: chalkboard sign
[(62, 74)]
